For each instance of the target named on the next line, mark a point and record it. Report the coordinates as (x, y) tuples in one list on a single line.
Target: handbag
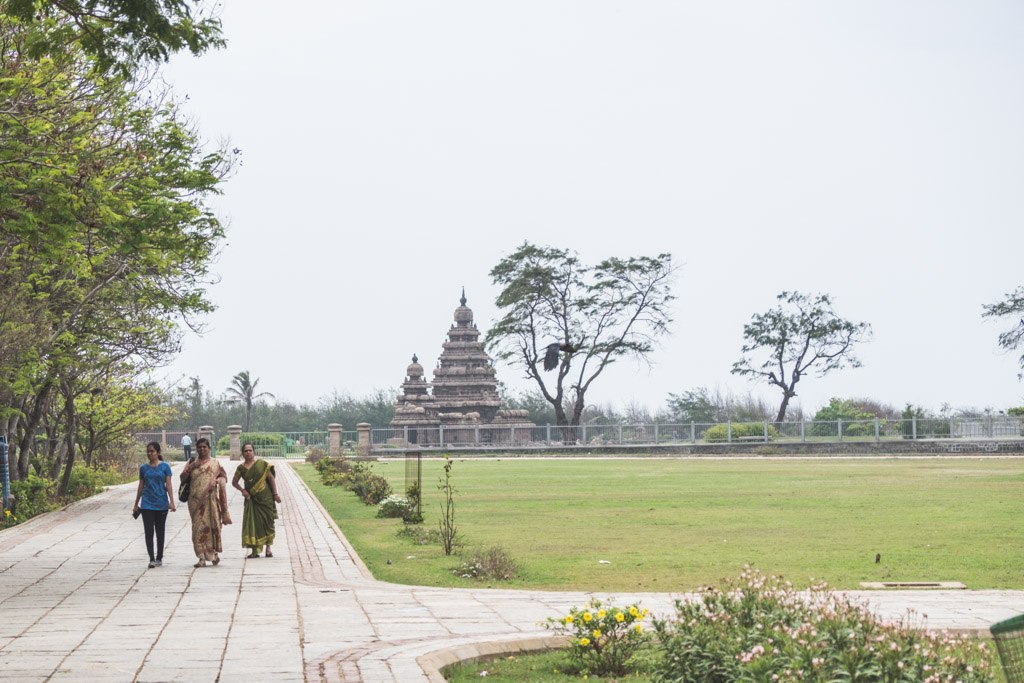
[(183, 490)]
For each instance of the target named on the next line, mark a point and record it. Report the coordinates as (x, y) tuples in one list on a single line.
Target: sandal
[(200, 563), (269, 554), (252, 555), (216, 560)]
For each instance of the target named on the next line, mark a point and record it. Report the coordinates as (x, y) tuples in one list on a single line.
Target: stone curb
[(434, 662)]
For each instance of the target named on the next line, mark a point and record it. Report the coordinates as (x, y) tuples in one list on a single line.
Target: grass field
[(669, 525)]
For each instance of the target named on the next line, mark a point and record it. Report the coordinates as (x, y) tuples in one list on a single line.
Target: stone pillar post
[(235, 442), (334, 440), (206, 432), (363, 428)]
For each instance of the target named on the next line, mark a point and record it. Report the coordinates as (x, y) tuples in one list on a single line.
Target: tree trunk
[(69, 457), (31, 424), (782, 408)]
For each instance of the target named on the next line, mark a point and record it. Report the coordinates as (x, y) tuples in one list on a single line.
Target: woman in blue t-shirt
[(154, 497)]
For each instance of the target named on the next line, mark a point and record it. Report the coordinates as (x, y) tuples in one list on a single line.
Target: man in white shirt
[(186, 444)]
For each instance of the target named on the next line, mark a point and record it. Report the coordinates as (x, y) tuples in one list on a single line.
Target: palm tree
[(242, 390)]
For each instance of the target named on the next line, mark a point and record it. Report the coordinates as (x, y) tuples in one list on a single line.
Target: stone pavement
[(77, 602)]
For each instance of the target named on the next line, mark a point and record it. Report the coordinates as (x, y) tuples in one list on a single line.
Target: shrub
[(760, 629), (267, 440), (604, 638), (315, 454), (86, 481), (720, 432), (393, 507), (33, 496), (490, 563), (370, 487), (420, 535)]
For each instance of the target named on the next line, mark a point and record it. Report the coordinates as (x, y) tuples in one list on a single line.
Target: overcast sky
[(393, 152)]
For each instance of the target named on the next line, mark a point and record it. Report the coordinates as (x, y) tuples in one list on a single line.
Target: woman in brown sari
[(207, 503), (260, 494)]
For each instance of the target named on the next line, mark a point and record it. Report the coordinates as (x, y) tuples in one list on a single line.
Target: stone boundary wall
[(951, 447)]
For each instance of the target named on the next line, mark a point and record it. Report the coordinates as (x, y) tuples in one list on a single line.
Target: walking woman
[(260, 495), (153, 498), (207, 503)]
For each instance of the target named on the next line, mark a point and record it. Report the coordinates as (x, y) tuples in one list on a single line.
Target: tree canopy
[(116, 35), (596, 314), (105, 235), (803, 334)]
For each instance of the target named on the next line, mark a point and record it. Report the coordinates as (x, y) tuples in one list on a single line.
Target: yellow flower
[(7, 513), (601, 613), (569, 619), (587, 616), (619, 616), (633, 611), (584, 641), (639, 628), (596, 633)]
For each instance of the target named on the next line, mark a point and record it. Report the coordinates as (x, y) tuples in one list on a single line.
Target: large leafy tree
[(105, 236), (1012, 305), (802, 335), (243, 390), (597, 314)]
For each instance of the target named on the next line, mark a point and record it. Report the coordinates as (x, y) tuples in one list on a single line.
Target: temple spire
[(462, 301)]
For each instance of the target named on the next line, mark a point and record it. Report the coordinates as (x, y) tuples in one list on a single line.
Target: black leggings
[(154, 520)]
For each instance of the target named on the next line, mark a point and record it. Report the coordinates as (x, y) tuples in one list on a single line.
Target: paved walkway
[(77, 602)]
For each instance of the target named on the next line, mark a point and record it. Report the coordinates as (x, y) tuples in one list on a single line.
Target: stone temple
[(461, 405)]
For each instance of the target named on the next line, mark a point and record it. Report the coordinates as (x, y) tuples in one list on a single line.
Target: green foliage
[(269, 440), (34, 496), (803, 334), (603, 638), (599, 314), (760, 629), (1017, 411), (116, 34), (243, 391), (825, 420), (720, 432), (420, 535), (371, 488), (357, 477), (87, 481), (704, 406), (107, 234)]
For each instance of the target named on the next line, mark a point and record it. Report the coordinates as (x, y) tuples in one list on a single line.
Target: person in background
[(260, 495), (207, 503), (186, 445), (154, 497)]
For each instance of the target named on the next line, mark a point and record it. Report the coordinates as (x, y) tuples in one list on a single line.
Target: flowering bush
[(603, 638), (761, 629), (393, 506)]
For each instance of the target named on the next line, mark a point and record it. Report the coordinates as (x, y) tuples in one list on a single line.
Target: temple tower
[(464, 380)]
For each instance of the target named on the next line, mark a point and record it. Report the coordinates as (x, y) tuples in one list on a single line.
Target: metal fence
[(267, 444), (995, 427)]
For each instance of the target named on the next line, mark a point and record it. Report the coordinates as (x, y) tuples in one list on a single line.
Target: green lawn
[(669, 525)]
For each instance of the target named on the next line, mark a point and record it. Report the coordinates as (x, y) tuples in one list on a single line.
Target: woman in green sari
[(260, 494)]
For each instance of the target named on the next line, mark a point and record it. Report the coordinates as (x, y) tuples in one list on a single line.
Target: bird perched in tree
[(551, 354)]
